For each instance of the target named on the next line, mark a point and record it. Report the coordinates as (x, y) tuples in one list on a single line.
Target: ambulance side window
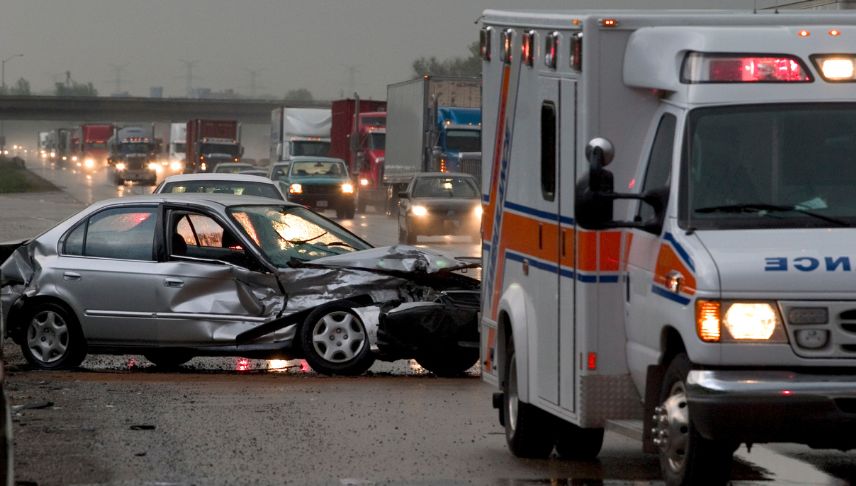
[(548, 151), (659, 172)]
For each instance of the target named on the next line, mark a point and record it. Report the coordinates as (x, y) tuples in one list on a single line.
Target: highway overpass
[(92, 109)]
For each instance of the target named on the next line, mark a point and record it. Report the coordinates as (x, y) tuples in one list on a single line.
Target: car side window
[(120, 233), (200, 236), (659, 172)]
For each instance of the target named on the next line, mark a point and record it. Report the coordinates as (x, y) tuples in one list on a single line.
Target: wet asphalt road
[(118, 420)]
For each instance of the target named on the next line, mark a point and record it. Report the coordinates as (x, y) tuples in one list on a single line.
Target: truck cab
[(371, 153), (458, 140), (134, 155), (675, 188)]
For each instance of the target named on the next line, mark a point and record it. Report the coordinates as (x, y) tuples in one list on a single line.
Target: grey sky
[(296, 44)]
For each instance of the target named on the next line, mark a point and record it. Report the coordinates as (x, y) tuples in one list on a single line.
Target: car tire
[(528, 430), (685, 456), (449, 364), (52, 338), (349, 211), (335, 340), (168, 359), (574, 442)]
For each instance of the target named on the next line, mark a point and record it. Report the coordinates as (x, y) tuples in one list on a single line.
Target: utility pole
[(254, 86), (118, 79), (189, 78)]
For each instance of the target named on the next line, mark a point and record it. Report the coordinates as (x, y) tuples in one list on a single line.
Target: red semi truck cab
[(94, 150), (363, 152), (210, 142)]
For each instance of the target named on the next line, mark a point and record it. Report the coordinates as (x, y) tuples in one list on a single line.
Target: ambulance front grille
[(821, 329)]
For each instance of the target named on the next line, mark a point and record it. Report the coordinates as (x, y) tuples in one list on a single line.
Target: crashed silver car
[(177, 276)]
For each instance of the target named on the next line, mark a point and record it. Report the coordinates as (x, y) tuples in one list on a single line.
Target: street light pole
[(3, 90)]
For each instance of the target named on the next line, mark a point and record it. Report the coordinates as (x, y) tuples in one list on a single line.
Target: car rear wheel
[(169, 359), (52, 338), (335, 340), (528, 430)]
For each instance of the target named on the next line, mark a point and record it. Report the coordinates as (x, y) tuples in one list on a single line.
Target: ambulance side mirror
[(594, 198), (600, 153)]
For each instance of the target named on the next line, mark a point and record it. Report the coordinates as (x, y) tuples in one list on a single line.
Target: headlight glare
[(295, 189), (477, 211), (348, 188), (419, 211), (120, 166), (756, 321)]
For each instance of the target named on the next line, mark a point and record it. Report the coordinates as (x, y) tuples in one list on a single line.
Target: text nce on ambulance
[(716, 297)]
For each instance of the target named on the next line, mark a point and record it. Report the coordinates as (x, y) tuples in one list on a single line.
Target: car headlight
[(477, 211), (724, 321), (154, 167), (74, 158), (176, 166), (348, 188), (120, 166), (203, 166), (295, 189), (419, 211), (364, 182), (89, 163)]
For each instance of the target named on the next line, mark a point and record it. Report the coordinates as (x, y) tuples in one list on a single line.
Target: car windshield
[(770, 166), (374, 121), (334, 168), (222, 187), (377, 141), (454, 187), (220, 148), (311, 148), (463, 140), (232, 168), (285, 233), (179, 147), (278, 172)]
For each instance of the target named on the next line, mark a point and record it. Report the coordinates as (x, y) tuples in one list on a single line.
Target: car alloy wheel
[(335, 340)]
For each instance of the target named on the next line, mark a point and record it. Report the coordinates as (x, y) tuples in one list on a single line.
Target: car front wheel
[(335, 340), (52, 338)]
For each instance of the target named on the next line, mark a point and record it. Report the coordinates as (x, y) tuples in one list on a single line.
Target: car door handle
[(173, 282), (70, 276)]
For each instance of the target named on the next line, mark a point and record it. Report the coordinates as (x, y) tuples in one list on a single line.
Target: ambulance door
[(567, 177), (545, 267)]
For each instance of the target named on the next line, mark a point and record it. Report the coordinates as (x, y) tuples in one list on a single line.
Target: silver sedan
[(178, 276)]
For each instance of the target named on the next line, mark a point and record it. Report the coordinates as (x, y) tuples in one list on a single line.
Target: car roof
[(442, 174), (203, 199), (312, 158), (217, 176)]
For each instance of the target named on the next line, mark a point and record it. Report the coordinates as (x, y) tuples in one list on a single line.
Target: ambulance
[(668, 232)]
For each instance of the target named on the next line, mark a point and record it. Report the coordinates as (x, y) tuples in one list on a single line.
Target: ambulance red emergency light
[(667, 231)]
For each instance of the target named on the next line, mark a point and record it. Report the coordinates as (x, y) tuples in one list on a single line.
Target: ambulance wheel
[(685, 456), (528, 430), (574, 442), (335, 341)]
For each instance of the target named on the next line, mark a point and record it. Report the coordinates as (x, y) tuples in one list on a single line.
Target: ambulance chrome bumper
[(774, 406)]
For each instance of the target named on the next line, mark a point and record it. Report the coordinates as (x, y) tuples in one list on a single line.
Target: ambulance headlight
[(724, 321)]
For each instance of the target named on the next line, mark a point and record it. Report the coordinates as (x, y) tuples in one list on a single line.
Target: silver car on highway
[(178, 276)]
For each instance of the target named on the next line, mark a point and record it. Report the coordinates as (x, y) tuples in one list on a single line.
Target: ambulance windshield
[(770, 166)]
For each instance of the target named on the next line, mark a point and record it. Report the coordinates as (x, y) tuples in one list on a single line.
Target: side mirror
[(600, 153), (595, 190)]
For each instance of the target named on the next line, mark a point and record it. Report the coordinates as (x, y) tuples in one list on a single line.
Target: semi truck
[(210, 142), (433, 125), (299, 131), (358, 136), (45, 145), (64, 145), (698, 289), (177, 147), (134, 155), (93, 150)]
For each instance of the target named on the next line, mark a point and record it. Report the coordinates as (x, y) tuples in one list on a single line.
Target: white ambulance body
[(728, 315)]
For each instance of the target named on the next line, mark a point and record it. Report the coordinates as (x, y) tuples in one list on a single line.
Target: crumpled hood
[(810, 260), (394, 259)]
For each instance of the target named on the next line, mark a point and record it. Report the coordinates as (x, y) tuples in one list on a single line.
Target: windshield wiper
[(768, 208), (303, 242)]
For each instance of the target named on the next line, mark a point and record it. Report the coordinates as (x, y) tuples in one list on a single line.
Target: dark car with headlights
[(176, 276), (320, 183), (439, 203)]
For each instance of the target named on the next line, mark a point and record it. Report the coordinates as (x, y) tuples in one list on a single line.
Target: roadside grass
[(15, 178)]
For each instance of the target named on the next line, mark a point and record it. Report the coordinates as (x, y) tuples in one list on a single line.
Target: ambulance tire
[(575, 442), (692, 459), (528, 430)]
